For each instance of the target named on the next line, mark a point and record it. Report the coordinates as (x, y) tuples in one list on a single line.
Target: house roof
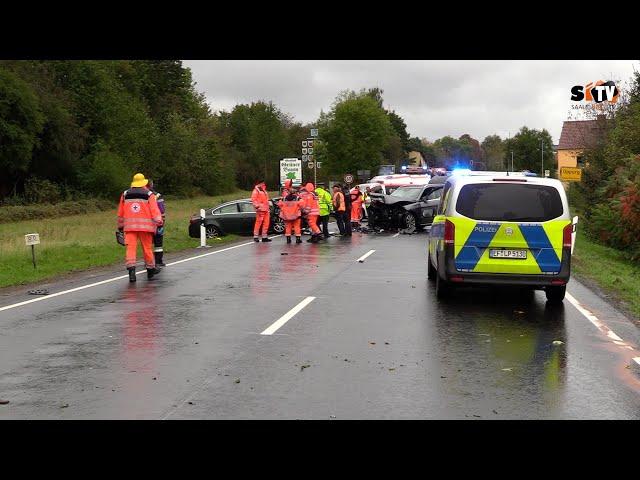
[(580, 134)]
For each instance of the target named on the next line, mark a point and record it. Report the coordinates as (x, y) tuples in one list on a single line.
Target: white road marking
[(600, 325), (287, 316), (361, 259), (394, 236), (64, 292)]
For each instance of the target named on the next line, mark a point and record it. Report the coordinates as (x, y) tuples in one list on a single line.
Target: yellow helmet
[(139, 180)]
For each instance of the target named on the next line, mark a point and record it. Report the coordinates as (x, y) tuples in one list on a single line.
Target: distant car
[(237, 217), (410, 207)]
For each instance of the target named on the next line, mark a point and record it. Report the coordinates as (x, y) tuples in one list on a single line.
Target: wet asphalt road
[(374, 344)]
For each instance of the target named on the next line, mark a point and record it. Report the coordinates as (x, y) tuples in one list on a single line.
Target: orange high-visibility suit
[(290, 212), (356, 205), (139, 217), (311, 207), (260, 200)]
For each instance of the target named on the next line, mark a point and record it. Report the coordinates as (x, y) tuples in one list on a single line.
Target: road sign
[(314, 132), (547, 173), (291, 169), (318, 164), (310, 164), (348, 178), (305, 158), (304, 151), (309, 143), (304, 143), (32, 239), (571, 174), (310, 150)]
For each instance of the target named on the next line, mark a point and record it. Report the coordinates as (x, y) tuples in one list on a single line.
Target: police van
[(502, 228)]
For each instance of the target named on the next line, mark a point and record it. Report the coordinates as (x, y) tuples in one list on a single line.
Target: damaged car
[(409, 208)]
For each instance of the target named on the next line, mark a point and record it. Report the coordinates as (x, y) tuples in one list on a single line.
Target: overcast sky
[(435, 98)]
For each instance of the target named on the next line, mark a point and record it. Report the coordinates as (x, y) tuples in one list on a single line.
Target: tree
[(355, 133), (526, 146), (494, 153), (400, 128), (21, 121)]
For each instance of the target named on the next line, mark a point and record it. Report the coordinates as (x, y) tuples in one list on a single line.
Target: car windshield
[(509, 202), (407, 193)]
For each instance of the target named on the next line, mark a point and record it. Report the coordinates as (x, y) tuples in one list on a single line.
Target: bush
[(35, 212), (39, 190), (106, 174)]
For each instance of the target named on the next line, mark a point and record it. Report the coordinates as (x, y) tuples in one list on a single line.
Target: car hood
[(391, 200)]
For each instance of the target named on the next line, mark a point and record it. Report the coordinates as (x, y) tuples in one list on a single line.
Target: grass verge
[(610, 270), (80, 242)]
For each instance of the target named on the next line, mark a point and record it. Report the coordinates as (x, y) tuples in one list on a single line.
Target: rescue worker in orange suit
[(291, 211), (288, 188), (311, 208), (356, 206), (339, 207), (139, 217), (260, 200)]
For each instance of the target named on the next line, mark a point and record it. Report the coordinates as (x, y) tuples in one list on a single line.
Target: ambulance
[(501, 228)]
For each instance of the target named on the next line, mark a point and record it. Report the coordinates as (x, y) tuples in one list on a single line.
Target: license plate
[(514, 254)]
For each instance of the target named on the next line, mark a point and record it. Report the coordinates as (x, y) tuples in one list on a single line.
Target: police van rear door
[(509, 226)]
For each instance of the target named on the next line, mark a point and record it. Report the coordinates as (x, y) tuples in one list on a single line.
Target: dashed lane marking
[(287, 316), (362, 258)]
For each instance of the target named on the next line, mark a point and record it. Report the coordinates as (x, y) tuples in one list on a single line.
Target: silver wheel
[(212, 231), (278, 226)]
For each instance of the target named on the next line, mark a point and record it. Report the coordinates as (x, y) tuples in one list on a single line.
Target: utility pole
[(542, 150)]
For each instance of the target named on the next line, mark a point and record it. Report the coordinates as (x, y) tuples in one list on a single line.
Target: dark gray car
[(237, 216)]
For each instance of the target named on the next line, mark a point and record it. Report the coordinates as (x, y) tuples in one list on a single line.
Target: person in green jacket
[(326, 205)]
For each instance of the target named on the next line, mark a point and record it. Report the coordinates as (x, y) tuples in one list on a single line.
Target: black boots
[(132, 274), (159, 256), (298, 240), (151, 272), (256, 239), (266, 239), (315, 238), (289, 239)]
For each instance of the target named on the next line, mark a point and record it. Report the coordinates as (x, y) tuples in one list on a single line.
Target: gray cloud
[(435, 98)]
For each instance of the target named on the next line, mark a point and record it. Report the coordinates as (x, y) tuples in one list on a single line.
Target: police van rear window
[(509, 202)]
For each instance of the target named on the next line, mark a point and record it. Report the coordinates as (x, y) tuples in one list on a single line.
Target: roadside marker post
[(32, 239), (203, 230)]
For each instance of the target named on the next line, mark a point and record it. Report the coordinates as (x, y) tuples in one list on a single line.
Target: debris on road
[(332, 416), (39, 291), (507, 369), (64, 406), (302, 367), (372, 343), (284, 253), (391, 369), (237, 380), (190, 403), (558, 342), (4, 402), (155, 378), (387, 343)]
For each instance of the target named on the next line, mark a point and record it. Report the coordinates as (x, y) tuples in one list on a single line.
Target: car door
[(247, 217), (227, 217), (429, 204)]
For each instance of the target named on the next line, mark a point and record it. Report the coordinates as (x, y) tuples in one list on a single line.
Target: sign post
[(308, 155), (32, 239), (571, 174), (291, 169)]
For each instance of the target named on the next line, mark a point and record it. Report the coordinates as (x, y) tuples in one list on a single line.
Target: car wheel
[(555, 294), (409, 222), (443, 288), (432, 273), (212, 231), (278, 226)]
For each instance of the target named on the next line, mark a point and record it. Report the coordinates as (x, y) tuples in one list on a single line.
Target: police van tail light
[(449, 232), (566, 236)]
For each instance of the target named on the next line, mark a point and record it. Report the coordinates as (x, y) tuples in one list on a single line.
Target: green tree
[(355, 133), (494, 153), (526, 145), (21, 121)]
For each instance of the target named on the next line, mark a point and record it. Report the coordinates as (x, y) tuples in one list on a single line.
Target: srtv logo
[(597, 92)]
